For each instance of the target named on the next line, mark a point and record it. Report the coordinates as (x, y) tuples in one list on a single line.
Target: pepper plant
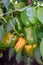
[(21, 29)]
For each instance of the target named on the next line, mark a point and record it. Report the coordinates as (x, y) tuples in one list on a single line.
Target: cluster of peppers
[(9, 41)]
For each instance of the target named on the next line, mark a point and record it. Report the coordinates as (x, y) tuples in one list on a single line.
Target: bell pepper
[(28, 34), (29, 16), (19, 45), (31, 34), (29, 50), (9, 40), (7, 37), (24, 19)]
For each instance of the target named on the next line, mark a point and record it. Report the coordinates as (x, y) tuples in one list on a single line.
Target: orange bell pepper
[(20, 44)]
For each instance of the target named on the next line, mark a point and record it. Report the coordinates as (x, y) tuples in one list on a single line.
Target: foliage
[(23, 19)]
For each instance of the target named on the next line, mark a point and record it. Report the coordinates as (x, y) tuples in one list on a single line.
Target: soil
[(4, 59)]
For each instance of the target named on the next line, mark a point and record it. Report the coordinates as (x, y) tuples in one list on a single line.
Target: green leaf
[(11, 53), (19, 57), (18, 0), (22, 9), (19, 5), (41, 47), (37, 55), (1, 11), (40, 14), (6, 3), (40, 35), (18, 25), (28, 61), (1, 32), (32, 15), (24, 18), (9, 27), (35, 33), (2, 46)]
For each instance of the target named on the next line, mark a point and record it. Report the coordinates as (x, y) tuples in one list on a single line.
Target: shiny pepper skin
[(35, 46), (19, 45), (29, 50), (7, 38)]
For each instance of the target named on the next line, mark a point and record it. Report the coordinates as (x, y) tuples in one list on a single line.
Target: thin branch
[(14, 28), (7, 13), (4, 19), (20, 10)]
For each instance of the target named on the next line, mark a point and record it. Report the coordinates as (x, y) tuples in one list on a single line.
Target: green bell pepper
[(30, 35), (29, 16), (24, 19)]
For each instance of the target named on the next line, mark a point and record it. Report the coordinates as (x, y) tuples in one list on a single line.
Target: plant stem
[(7, 13), (3, 19), (14, 11), (14, 28)]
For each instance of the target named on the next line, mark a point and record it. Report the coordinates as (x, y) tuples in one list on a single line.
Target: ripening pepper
[(20, 44), (28, 34), (29, 50), (6, 38), (9, 40)]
